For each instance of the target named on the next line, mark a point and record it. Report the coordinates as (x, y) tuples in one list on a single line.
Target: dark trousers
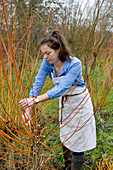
[(71, 157), (67, 156)]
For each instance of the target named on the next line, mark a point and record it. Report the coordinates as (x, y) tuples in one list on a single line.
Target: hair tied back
[(54, 33)]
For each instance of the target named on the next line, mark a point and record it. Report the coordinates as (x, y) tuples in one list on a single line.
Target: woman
[(77, 122)]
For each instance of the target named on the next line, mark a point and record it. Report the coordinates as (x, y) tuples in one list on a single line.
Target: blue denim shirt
[(72, 71)]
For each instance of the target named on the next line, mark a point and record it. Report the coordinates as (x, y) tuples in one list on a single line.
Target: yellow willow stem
[(13, 149), (98, 37), (10, 81), (11, 138), (84, 46), (15, 105), (19, 131), (91, 90), (23, 166), (5, 136), (40, 111), (47, 86), (48, 21), (101, 84), (10, 153), (13, 40), (14, 27), (19, 139), (24, 125), (107, 88), (24, 63), (11, 45), (53, 156), (11, 160), (1, 79), (6, 144), (106, 98), (9, 144), (34, 67), (9, 71), (29, 80)]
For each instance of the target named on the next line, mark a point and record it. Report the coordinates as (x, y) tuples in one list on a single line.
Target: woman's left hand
[(28, 102)]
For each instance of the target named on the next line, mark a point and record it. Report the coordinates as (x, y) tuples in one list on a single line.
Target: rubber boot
[(67, 158), (77, 162)]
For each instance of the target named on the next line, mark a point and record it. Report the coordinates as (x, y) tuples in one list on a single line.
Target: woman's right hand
[(27, 115), (27, 102)]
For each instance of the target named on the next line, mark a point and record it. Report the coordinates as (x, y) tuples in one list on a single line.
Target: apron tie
[(66, 96), (76, 94)]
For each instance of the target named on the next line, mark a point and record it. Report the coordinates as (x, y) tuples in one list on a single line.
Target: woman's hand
[(28, 102), (27, 115)]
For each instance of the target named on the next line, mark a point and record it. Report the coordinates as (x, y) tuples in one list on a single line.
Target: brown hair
[(56, 40)]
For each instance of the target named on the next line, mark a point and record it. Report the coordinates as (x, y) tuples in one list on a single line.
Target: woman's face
[(50, 54)]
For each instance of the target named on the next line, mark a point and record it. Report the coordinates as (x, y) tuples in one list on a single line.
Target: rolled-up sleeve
[(68, 80), (39, 80)]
